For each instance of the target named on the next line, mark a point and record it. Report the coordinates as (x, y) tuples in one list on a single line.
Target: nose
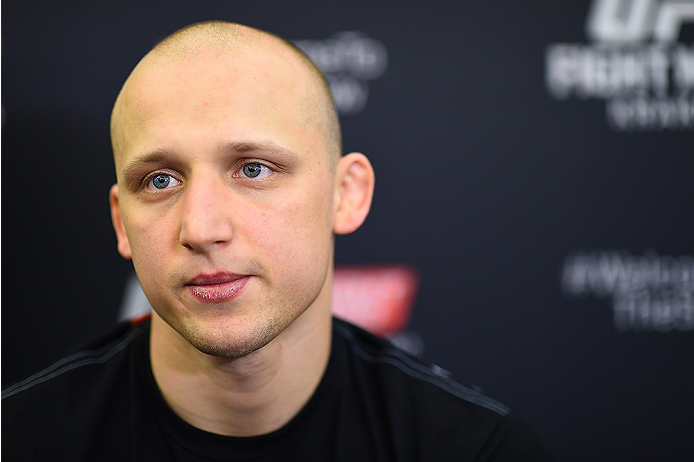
[(205, 220)]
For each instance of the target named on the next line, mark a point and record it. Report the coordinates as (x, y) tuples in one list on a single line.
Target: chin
[(234, 341), (229, 349)]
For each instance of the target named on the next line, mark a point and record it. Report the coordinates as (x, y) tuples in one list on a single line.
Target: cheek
[(150, 243), (296, 234)]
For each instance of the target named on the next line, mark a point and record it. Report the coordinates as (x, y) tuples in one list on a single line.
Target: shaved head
[(225, 39), (231, 187)]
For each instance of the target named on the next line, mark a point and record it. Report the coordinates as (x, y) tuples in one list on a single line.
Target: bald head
[(226, 41)]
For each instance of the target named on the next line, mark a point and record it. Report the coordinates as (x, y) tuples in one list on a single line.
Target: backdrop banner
[(531, 230)]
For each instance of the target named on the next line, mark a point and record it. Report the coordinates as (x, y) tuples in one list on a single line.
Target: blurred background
[(534, 168)]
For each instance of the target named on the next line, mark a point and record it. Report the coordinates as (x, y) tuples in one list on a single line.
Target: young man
[(231, 186)]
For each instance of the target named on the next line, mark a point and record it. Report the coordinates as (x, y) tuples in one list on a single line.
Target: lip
[(217, 287)]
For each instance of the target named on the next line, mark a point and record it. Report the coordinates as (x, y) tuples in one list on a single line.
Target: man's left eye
[(255, 170)]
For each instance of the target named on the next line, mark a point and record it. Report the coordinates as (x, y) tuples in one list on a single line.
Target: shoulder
[(62, 404), (429, 412), (98, 351), (399, 366)]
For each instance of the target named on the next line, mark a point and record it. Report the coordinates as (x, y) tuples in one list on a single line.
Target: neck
[(251, 395)]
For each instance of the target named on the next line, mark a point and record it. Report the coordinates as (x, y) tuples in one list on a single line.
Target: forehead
[(257, 91)]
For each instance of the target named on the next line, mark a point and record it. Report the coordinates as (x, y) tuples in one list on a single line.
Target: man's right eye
[(162, 181)]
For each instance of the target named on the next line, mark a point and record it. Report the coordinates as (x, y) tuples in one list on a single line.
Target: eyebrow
[(135, 164), (264, 146)]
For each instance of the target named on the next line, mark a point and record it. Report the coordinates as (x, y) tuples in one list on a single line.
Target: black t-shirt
[(374, 403)]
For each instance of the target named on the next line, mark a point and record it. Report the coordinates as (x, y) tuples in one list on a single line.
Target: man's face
[(226, 192)]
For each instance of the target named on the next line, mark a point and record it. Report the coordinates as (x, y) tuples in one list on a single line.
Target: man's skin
[(230, 188)]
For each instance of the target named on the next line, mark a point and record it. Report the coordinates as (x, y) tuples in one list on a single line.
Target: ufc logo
[(638, 20)]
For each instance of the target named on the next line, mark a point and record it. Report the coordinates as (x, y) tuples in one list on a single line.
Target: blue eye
[(162, 181), (255, 170)]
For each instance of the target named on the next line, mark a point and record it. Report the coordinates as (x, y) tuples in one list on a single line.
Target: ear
[(354, 187), (118, 226)]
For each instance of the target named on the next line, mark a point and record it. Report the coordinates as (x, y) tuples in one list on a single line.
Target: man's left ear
[(354, 188)]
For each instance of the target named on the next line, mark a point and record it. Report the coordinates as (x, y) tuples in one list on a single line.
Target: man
[(231, 186)]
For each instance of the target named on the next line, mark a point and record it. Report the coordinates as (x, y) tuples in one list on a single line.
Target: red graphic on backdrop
[(376, 298)]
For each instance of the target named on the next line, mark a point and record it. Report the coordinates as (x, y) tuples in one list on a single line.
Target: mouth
[(218, 287)]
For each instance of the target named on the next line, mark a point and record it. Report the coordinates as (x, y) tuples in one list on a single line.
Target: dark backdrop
[(536, 174)]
